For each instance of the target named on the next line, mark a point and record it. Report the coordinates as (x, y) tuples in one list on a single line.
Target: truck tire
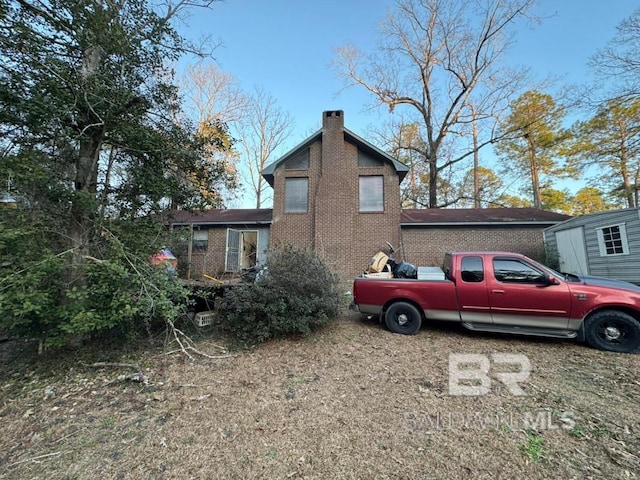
[(404, 318), (613, 331)]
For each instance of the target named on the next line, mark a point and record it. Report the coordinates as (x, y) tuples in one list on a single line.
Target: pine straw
[(352, 401)]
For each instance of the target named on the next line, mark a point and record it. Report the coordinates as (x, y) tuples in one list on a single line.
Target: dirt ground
[(351, 401)]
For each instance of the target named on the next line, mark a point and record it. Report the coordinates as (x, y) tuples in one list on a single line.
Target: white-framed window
[(372, 193), (296, 195), (612, 240), (200, 241)]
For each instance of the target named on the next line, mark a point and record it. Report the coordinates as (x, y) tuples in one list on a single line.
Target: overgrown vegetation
[(121, 291), (295, 294), (93, 142)]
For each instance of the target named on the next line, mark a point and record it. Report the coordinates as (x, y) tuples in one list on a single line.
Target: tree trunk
[(626, 182), (258, 195), (82, 205), (433, 183), (535, 178), (476, 161)]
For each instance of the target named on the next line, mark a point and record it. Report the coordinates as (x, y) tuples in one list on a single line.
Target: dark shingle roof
[(222, 217), (269, 171), (479, 216), (401, 169), (409, 217)]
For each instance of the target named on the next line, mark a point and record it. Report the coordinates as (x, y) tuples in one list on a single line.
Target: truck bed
[(437, 298)]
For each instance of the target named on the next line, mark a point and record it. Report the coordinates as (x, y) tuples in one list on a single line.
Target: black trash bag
[(405, 270)]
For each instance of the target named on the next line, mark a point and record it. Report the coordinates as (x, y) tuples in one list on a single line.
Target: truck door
[(520, 296), (471, 290)]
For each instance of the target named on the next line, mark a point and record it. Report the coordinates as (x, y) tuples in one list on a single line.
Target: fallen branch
[(93, 259), (133, 377), (193, 385), (33, 459), (187, 346), (213, 357)]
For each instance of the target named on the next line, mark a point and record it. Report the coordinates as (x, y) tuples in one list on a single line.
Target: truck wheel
[(404, 318), (613, 331)]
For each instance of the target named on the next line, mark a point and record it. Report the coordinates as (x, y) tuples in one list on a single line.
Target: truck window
[(472, 269), (511, 270), (446, 266)]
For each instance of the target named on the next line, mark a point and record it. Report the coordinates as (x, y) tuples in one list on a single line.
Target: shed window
[(372, 193), (296, 195), (200, 241), (612, 240)]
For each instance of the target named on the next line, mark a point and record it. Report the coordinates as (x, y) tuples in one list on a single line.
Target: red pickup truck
[(509, 293)]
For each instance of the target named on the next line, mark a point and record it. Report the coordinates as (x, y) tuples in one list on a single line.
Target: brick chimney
[(332, 143), (332, 119), (337, 192)]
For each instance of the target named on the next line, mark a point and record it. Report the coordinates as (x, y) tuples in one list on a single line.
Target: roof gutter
[(454, 224), (268, 222)]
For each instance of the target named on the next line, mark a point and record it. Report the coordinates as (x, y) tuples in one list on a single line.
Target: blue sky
[(286, 47)]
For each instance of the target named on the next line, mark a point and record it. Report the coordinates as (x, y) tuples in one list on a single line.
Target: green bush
[(120, 291), (295, 294)]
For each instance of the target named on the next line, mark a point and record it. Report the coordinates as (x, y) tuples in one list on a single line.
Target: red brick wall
[(357, 241), (333, 224), (426, 246), (295, 228), (212, 261)]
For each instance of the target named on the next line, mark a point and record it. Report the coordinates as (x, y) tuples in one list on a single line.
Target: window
[(511, 270), (613, 240), (372, 193), (472, 269), (299, 162), (200, 241), (365, 160), (296, 193)]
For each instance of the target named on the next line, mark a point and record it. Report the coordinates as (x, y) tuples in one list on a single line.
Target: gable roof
[(234, 216), (600, 218), (400, 168), (479, 216)]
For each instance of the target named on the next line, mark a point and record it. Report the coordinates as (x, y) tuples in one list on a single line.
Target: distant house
[(605, 244), (340, 195)]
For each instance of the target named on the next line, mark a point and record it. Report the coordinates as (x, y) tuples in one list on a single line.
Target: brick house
[(340, 195)]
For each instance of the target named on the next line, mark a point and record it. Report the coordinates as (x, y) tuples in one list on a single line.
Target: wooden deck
[(205, 292)]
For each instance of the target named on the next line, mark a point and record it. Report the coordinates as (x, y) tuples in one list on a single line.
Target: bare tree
[(620, 59), (216, 102), (440, 58), (402, 141), (264, 128), (213, 94)]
